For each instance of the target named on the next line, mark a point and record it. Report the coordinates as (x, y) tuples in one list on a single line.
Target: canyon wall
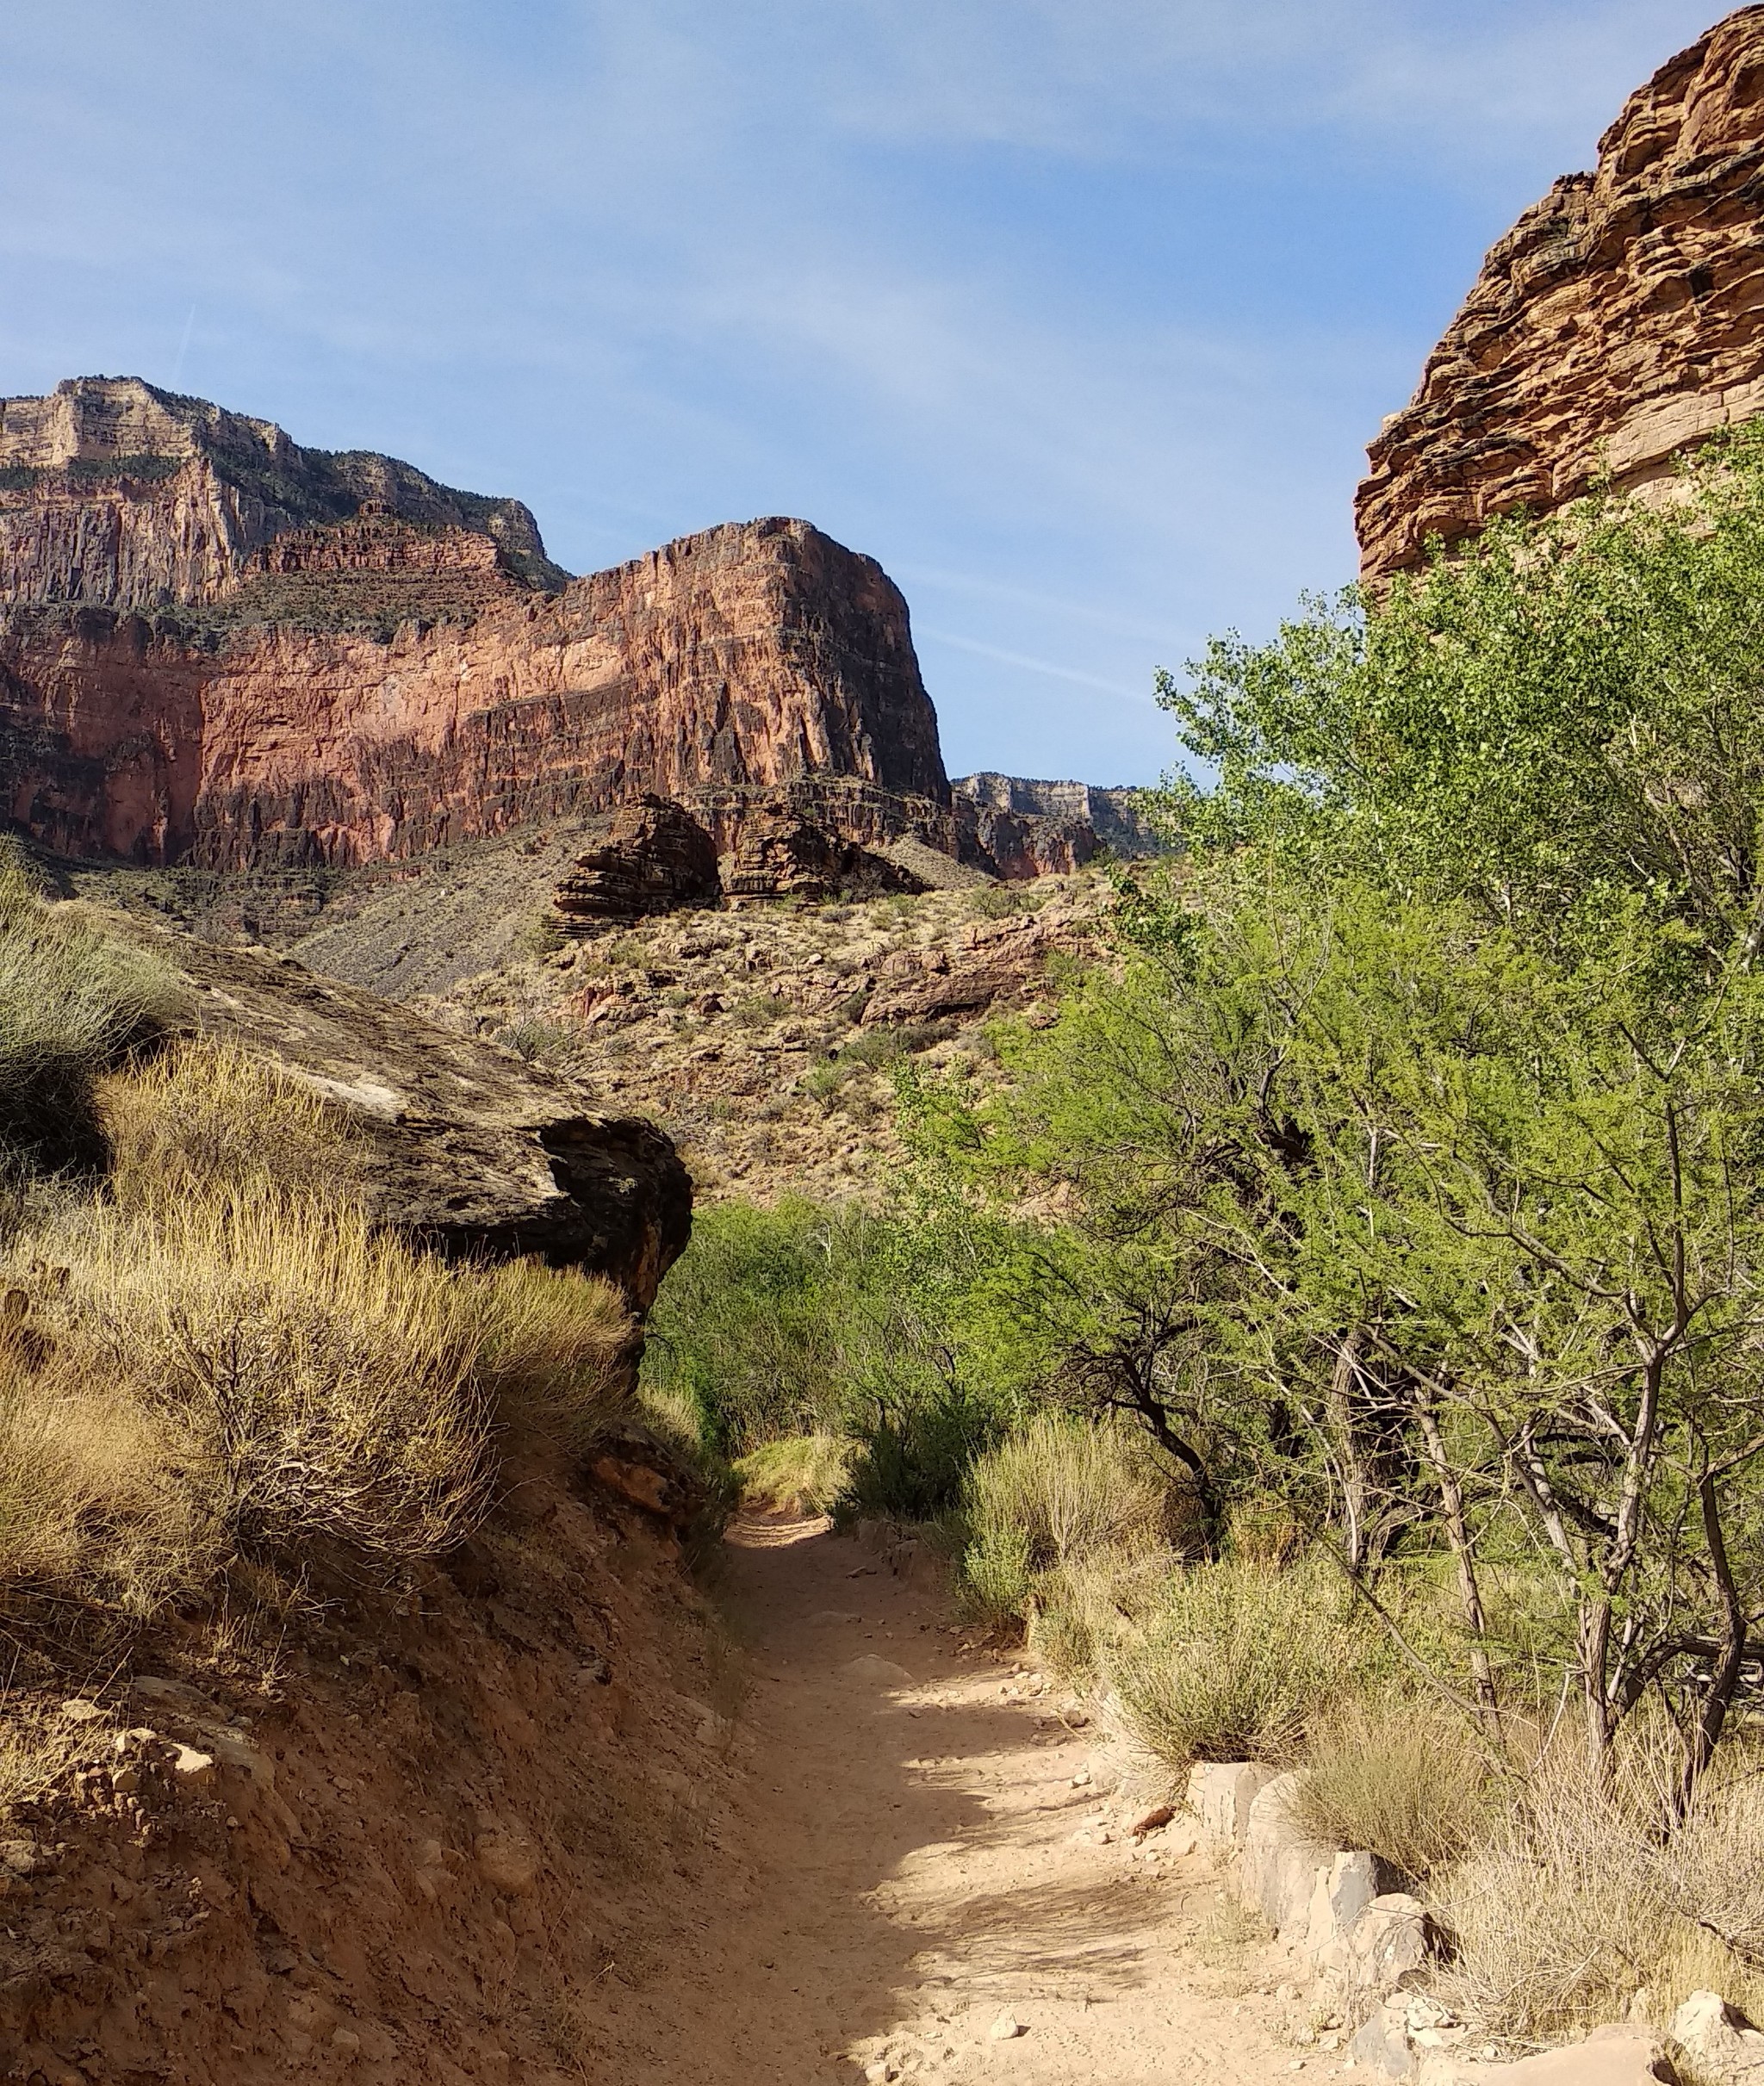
[(1019, 827), (218, 647), (1620, 321)]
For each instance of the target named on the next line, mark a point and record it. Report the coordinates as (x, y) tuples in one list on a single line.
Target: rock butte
[(1620, 322), (219, 648)]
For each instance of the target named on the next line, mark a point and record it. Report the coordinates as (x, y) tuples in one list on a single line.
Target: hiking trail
[(910, 1860)]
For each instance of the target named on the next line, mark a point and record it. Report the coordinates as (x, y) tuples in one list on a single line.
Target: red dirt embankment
[(534, 1822)]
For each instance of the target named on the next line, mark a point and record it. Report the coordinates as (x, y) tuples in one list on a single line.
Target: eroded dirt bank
[(544, 1826)]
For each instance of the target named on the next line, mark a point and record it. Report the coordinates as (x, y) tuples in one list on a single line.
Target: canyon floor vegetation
[(1337, 1329), (218, 1379)]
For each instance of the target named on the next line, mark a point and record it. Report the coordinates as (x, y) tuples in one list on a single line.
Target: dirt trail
[(906, 1871)]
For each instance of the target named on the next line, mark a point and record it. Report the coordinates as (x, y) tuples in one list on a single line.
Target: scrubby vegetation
[(1338, 1331), (211, 1362)]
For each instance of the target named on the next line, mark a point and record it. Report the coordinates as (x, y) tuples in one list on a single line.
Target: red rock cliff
[(332, 689), (1619, 322)]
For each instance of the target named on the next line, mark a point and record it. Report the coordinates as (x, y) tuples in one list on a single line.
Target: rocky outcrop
[(783, 853), (1017, 828), (737, 661), (655, 857), (463, 1147), (1620, 321)]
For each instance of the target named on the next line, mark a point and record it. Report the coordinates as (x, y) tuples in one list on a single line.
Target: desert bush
[(71, 1004), (1082, 1610), (1594, 1888), (552, 1349), (801, 1472), (916, 1454), (204, 1115), (324, 1377), (1071, 1488), (1564, 1914), (1055, 1492), (1401, 1778), (1238, 1662)]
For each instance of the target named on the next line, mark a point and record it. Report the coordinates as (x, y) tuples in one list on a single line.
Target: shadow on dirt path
[(910, 1861)]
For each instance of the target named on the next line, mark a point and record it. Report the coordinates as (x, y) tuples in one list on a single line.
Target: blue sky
[(1076, 314)]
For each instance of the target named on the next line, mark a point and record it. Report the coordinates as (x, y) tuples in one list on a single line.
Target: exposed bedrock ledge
[(1619, 323), (466, 1149)]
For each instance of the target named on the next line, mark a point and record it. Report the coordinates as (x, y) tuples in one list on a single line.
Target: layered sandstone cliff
[(316, 687), (1019, 827), (1619, 323), (116, 495)]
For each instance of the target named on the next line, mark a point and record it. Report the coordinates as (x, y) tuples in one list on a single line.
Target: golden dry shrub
[(553, 1350), (324, 1375), (203, 1114), (1239, 1662), (1402, 1779), (100, 1498), (1056, 1491)]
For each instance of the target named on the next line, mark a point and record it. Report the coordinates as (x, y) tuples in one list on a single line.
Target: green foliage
[(1238, 1662), (1563, 711), (71, 1004)]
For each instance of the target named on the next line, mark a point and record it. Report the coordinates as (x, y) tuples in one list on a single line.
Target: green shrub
[(915, 1458), (1403, 1779), (72, 1004), (1238, 1662)]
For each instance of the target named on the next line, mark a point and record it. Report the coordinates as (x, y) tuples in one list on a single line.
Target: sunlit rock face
[(221, 647), (1620, 321)]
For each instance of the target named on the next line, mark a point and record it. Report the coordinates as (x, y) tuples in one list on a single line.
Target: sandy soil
[(916, 1862)]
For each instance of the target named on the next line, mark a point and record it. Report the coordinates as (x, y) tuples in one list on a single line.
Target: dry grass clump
[(801, 1473), (275, 1373), (552, 1349), (1589, 1893), (1056, 1492), (203, 1114), (1399, 1778), (324, 1374), (1238, 1662), (99, 1497), (72, 1005)]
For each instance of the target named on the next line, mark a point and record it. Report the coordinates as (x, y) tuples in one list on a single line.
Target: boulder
[(1727, 2049), (1308, 1894), (1220, 1794), (464, 1148)]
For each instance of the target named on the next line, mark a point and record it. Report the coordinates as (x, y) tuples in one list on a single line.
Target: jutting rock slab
[(463, 1147)]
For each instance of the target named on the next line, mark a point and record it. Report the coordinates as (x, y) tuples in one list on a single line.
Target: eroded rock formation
[(463, 1147), (1619, 323), (1018, 828), (655, 857), (220, 648)]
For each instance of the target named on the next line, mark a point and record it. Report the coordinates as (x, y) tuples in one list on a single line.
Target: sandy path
[(903, 1870)]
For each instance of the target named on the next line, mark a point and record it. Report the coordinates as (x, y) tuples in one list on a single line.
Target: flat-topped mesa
[(116, 494), (1620, 322), (230, 651)]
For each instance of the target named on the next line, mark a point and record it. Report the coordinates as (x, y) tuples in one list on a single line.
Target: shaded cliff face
[(1619, 322), (193, 670)]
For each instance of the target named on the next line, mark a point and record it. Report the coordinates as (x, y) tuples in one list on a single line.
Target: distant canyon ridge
[(220, 649)]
